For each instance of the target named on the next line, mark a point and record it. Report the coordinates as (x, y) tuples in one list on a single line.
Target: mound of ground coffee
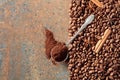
[(84, 63), (49, 43), (55, 50), (59, 52)]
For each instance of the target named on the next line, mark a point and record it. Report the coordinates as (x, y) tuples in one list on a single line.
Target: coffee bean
[(111, 77), (107, 10), (92, 71), (78, 2), (106, 1), (76, 71), (109, 70)]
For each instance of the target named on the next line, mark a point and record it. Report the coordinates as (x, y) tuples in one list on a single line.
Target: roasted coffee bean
[(92, 71), (76, 71)]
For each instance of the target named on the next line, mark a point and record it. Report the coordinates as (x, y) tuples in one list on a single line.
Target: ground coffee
[(55, 49), (49, 43), (59, 52)]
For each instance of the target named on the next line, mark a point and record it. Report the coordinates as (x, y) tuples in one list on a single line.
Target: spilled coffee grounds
[(55, 50)]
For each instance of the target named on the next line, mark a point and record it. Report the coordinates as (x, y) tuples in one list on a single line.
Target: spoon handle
[(87, 22), (76, 34)]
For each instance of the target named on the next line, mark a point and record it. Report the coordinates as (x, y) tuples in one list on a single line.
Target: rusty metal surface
[(22, 52)]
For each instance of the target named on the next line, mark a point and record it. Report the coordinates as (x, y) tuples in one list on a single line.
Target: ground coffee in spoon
[(54, 49), (59, 52)]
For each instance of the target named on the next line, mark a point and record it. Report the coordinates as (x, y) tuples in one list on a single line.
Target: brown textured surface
[(84, 63), (59, 52), (50, 42), (22, 49)]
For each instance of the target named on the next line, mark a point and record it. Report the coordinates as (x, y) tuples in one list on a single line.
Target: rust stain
[(5, 61), (18, 59), (34, 68), (26, 33), (27, 27), (5, 69)]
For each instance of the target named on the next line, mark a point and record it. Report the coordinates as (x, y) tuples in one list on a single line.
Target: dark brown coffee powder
[(55, 49), (59, 52), (49, 43)]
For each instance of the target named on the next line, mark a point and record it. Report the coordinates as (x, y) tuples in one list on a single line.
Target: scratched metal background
[(22, 52)]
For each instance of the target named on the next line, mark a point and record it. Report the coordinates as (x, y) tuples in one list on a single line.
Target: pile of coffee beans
[(84, 63)]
